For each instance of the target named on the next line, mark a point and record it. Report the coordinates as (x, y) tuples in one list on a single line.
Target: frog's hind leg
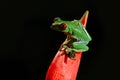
[(79, 46)]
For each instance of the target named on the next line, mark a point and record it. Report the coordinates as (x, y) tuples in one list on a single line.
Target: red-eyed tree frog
[(77, 36)]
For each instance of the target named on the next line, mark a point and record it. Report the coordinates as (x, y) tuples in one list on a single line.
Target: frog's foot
[(72, 55), (67, 50)]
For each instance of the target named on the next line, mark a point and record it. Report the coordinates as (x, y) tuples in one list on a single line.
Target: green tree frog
[(77, 36)]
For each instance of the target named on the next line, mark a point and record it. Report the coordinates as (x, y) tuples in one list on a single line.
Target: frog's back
[(80, 32)]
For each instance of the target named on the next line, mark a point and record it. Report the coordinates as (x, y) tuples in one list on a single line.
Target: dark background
[(28, 45)]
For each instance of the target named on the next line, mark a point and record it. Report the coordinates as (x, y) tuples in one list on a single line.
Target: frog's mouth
[(56, 28)]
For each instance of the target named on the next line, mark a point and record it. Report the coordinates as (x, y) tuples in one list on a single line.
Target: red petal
[(63, 68), (84, 18)]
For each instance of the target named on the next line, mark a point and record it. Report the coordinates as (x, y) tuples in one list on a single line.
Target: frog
[(77, 36)]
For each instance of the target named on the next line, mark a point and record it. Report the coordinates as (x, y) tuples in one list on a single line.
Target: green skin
[(77, 36)]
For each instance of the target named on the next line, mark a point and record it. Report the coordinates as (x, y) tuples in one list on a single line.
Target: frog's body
[(77, 36)]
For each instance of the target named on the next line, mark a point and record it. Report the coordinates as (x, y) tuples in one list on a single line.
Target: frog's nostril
[(56, 19), (51, 26)]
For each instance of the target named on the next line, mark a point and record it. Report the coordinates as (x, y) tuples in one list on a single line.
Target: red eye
[(63, 26)]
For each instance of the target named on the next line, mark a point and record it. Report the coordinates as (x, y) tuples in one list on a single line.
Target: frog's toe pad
[(68, 50)]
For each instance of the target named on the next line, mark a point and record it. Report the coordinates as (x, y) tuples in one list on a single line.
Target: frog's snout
[(53, 27)]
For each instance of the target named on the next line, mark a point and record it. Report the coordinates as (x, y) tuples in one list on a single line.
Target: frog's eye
[(63, 26)]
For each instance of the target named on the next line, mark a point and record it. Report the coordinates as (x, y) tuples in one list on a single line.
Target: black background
[(28, 45)]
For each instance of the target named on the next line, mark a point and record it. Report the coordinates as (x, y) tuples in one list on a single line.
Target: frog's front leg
[(65, 48), (80, 46), (70, 53)]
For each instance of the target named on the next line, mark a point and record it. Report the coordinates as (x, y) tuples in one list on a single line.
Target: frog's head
[(59, 25)]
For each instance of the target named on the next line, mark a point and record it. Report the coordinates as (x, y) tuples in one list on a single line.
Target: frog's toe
[(68, 50)]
